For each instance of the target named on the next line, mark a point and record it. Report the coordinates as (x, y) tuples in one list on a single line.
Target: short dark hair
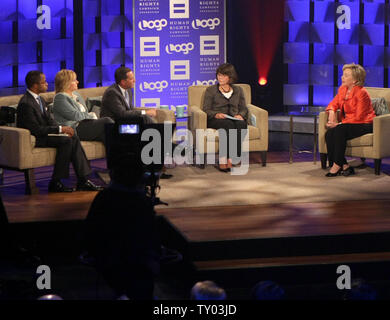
[(227, 69), (121, 74), (33, 77)]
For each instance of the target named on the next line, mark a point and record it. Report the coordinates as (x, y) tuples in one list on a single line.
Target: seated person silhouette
[(120, 232)]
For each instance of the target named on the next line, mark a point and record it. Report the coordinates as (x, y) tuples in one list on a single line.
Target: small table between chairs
[(314, 116)]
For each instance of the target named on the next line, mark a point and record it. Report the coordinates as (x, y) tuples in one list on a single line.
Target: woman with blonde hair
[(69, 109), (356, 113)]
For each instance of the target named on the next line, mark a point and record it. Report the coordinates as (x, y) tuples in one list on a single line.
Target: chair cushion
[(380, 106), (365, 140), (94, 149)]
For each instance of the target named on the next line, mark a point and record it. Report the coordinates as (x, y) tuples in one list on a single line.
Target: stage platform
[(292, 243)]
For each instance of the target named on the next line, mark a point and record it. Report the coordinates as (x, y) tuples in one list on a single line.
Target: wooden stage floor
[(220, 242), (217, 223)]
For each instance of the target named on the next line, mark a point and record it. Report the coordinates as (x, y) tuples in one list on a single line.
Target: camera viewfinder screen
[(129, 129)]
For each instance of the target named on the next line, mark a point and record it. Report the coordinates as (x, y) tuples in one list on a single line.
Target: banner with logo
[(177, 43)]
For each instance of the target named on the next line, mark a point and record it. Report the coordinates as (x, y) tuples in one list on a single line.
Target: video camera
[(133, 146), (145, 144)]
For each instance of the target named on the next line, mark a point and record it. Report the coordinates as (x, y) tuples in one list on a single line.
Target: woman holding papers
[(356, 113), (225, 106)]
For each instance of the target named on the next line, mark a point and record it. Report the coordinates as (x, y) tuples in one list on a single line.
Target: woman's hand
[(332, 121), (220, 116), (93, 115), (239, 117), (330, 125)]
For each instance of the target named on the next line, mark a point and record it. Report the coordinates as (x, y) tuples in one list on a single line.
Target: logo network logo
[(180, 69), (209, 23), (204, 83), (158, 85), (149, 46), (179, 9), (209, 45), (150, 103), (153, 24), (184, 47)]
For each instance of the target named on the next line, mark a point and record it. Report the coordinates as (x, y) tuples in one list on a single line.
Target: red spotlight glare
[(263, 81)]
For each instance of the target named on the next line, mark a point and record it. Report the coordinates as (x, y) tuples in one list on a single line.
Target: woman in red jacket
[(357, 116)]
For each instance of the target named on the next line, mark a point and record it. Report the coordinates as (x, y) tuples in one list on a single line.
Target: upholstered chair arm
[(323, 119), (198, 118), (381, 129), (261, 122), (16, 146)]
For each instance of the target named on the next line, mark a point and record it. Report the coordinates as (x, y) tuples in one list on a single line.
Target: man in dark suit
[(32, 114), (117, 102)]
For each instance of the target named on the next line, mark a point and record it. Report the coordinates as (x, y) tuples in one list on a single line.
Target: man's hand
[(68, 130), (220, 116), (239, 117), (151, 113)]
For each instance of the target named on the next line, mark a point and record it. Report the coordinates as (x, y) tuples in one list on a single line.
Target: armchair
[(372, 145), (258, 132)]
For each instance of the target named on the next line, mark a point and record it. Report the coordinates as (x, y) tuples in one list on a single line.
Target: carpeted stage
[(285, 222)]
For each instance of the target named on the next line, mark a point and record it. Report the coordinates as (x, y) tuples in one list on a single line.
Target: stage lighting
[(263, 81)]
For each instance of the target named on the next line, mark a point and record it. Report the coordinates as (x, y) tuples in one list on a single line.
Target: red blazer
[(357, 108)]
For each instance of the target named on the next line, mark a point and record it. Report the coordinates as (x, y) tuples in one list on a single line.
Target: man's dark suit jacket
[(31, 117), (114, 104)]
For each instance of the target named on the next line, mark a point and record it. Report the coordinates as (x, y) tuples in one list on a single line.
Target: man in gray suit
[(117, 100)]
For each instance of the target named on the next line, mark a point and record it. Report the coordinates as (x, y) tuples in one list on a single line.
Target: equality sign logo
[(149, 46), (209, 45), (183, 47), (206, 23), (179, 9), (152, 86), (152, 24), (180, 69)]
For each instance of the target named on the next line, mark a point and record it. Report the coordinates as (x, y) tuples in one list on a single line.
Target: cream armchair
[(373, 145), (258, 135)]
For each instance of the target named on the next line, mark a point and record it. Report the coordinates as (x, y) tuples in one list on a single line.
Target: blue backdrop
[(177, 43), (34, 36), (323, 36)]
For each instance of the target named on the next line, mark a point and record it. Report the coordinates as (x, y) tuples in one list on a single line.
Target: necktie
[(40, 103), (127, 98)]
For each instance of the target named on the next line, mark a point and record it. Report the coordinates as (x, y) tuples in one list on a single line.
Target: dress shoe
[(166, 176), (348, 172), (88, 186), (57, 186), (223, 167), (329, 174)]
